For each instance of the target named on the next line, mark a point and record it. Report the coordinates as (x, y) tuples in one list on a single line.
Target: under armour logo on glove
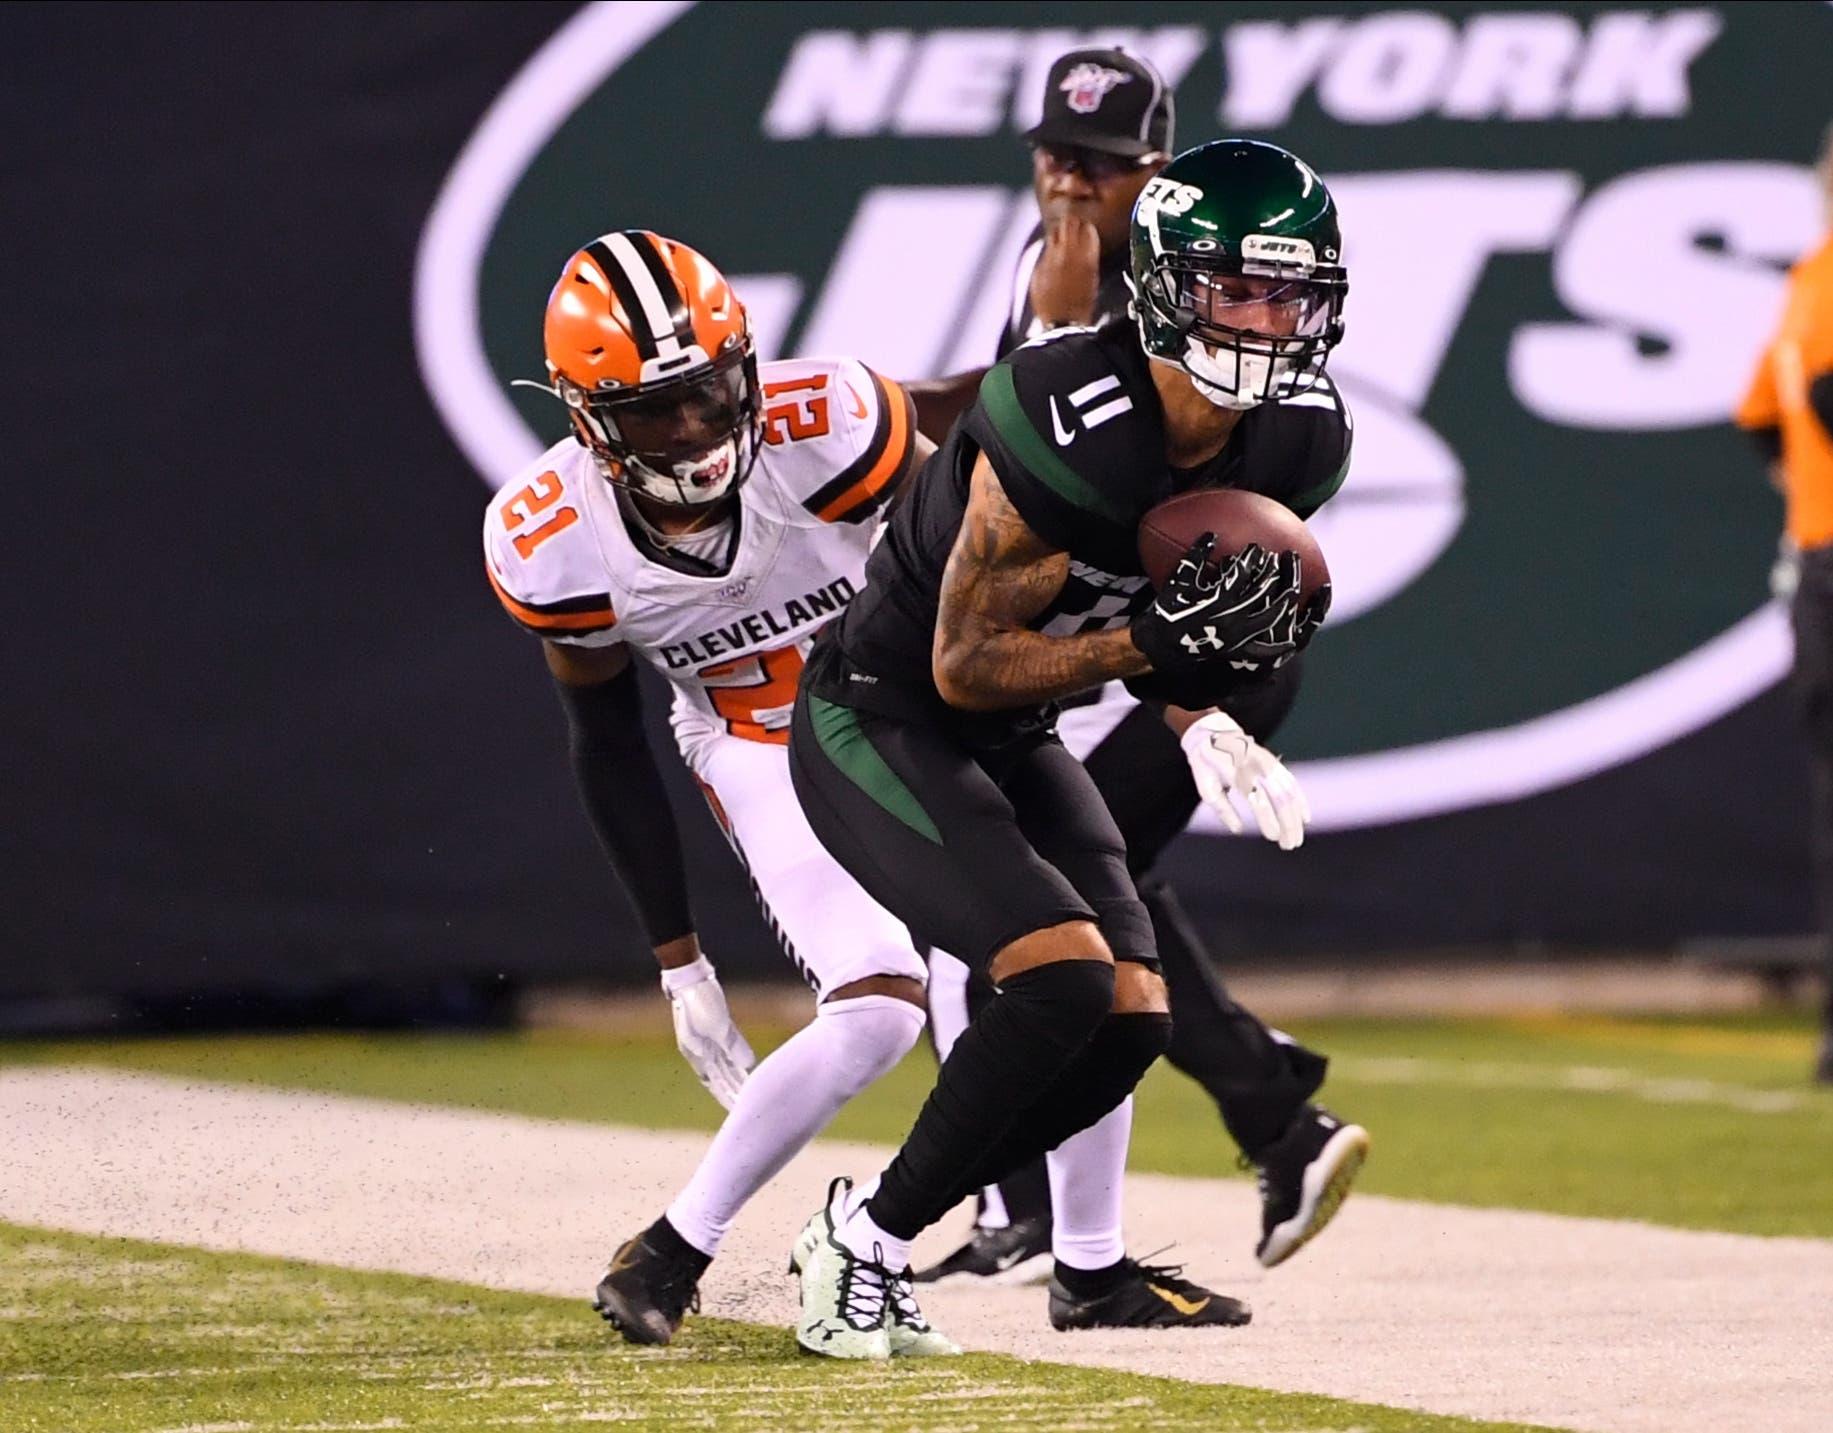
[(1286, 636), (1206, 611)]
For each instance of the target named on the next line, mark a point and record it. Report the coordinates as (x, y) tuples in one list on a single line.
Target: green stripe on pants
[(844, 742)]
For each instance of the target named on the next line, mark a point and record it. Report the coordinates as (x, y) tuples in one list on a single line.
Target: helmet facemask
[(686, 440), (1246, 331)]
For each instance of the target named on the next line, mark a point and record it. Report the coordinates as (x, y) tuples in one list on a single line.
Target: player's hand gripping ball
[(1242, 587)]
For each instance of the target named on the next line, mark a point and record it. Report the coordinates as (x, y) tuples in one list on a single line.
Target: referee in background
[(1789, 411), (1107, 128)]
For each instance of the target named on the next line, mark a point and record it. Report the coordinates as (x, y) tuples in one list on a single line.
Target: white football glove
[(704, 1031), (1225, 761)]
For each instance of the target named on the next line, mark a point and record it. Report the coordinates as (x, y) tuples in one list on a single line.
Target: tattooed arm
[(1000, 575)]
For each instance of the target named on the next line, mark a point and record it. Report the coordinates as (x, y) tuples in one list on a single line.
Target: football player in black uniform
[(1107, 127), (922, 747)]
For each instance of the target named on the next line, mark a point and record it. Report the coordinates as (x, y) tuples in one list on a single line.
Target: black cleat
[(646, 1292), (1017, 1254), (1146, 1296), (1304, 1177)]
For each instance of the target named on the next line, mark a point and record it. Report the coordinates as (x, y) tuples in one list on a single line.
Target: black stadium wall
[(271, 267)]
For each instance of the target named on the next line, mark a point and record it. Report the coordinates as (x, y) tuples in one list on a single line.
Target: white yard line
[(1568, 1079), (1582, 1323)]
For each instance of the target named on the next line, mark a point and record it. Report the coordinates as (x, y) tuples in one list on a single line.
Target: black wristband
[(622, 792)]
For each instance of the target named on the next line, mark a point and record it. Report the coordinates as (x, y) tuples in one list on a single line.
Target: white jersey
[(564, 564)]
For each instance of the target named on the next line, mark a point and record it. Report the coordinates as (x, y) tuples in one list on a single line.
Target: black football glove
[(1289, 633), (1207, 612)]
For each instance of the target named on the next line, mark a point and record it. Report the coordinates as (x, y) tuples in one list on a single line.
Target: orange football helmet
[(652, 354)]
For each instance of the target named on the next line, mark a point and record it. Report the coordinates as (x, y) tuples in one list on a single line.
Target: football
[(1237, 519)]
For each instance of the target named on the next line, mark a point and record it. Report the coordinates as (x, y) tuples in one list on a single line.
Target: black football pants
[(1259, 1079)]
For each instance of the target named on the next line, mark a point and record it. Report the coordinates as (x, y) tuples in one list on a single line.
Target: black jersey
[(1111, 296), (1072, 426)]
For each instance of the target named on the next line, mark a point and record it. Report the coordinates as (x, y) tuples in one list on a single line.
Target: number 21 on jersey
[(803, 415), (529, 504)]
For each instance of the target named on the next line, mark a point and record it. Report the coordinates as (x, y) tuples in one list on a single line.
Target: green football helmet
[(1236, 271)]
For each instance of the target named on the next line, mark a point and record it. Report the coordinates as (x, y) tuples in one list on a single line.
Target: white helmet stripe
[(649, 297)]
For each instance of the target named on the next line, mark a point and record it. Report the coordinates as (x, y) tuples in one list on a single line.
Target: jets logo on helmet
[(652, 354), (1167, 196), (1087, 85), (1225, 273)]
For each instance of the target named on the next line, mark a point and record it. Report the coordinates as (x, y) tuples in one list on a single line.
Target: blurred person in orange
[(1789, 410)]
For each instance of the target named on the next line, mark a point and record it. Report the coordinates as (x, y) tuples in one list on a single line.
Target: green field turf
[(111, 1336), (1701, 1123)]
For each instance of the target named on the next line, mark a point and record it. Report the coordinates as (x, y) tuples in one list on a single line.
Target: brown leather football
[(1237, 519)]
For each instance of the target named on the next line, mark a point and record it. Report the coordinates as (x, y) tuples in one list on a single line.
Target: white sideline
[(1580, 1323)]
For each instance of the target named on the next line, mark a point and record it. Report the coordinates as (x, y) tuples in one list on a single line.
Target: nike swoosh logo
[(624, 1257), (1006, 1261), (858, 405), (1188, 1307), (1064, 436)]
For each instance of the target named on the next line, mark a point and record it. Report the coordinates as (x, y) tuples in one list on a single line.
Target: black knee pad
[(1073, 997)]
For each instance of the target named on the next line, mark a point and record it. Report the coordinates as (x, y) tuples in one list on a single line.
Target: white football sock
[(858, 1195), (1087, 1179), (873, 1241), (786, 1101), (869, 1242)]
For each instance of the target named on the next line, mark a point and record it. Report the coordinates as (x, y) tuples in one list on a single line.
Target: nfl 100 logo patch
[(1087, 85)]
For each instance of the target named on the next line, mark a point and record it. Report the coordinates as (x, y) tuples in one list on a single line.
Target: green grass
[(111, 1336), (1704, 1123)]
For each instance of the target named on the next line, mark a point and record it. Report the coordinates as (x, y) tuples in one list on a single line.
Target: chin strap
[(1223, 387)]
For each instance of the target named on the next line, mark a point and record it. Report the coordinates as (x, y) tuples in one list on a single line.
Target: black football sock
[(664, 1238), (1006, 1058), (1091, 1283), (1103, 1074)]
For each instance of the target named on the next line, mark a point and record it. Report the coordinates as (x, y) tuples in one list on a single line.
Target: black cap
[(1107, 100)]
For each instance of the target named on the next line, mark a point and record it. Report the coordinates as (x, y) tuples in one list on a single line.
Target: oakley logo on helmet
[(1087, 85)]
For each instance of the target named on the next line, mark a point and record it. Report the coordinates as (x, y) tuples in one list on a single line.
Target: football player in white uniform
[(709, 514)]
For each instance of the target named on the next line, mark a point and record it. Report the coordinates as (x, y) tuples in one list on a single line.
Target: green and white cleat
[(844, 1298), (803, 1249), (910, 1333)]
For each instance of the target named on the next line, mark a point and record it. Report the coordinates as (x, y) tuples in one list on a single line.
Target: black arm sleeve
[(1820, 399), (622, 792), (1768, 442)]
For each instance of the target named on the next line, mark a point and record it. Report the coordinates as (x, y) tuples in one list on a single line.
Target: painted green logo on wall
[(1565, 227)]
